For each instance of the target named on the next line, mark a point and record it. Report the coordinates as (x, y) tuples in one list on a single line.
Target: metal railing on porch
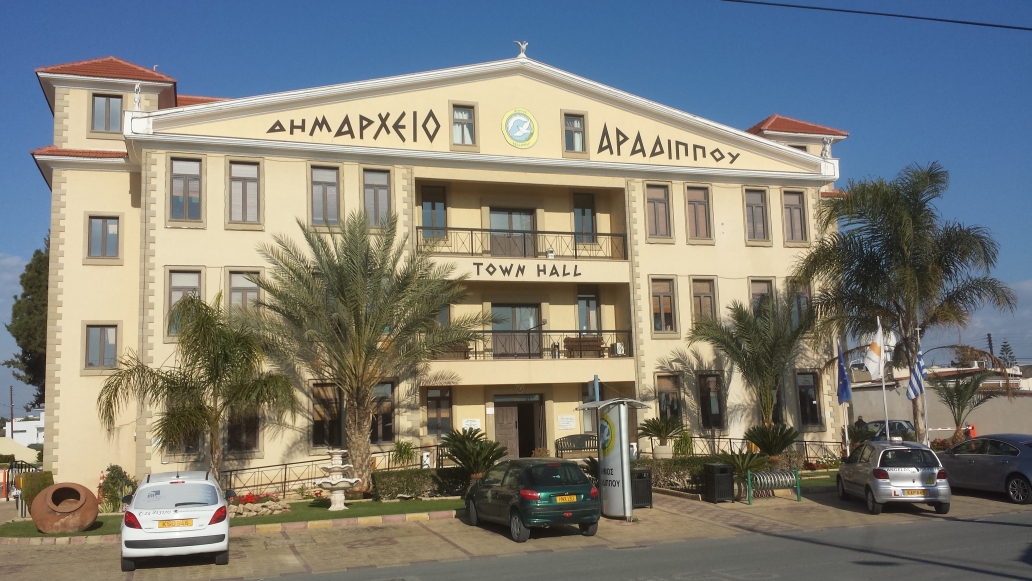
[(538, 344), (521, 243)]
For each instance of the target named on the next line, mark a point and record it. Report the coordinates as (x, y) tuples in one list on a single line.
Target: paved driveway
[(343, 549)]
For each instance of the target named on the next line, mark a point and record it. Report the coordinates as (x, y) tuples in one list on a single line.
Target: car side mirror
[(127, 499)]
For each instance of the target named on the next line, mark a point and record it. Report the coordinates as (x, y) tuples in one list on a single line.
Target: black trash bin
[(641, 487), (719, 481)]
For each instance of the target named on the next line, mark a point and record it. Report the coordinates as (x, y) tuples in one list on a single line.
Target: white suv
[(176, 513)]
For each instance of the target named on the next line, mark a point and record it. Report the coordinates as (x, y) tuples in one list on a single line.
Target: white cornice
[(317, 151), (48, 163)]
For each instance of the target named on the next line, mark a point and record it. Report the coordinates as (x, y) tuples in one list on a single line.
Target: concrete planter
[(662, 451)]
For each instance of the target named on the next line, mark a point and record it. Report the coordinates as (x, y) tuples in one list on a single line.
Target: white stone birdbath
[(335, 481)]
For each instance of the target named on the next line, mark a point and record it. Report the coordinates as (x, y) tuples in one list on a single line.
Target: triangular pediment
[(414, 113)]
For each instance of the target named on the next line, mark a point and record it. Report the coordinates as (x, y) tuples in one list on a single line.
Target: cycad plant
[(662, 428), (355, 308), (896, 258), (472, 451), (218, 373), (962, 396), (772, 440), (761, 343)]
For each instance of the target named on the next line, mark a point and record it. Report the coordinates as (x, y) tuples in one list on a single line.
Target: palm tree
[(218, 376), (355, 309), (760, 342), (894, 257), (962, 396)]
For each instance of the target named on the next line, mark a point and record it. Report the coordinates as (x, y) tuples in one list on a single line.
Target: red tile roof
[(184, 100), (788, 125), (110, 67), (53, 150), (833, 194)]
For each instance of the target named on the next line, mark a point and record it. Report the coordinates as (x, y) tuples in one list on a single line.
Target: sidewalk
[(341, 549), (8, 511)]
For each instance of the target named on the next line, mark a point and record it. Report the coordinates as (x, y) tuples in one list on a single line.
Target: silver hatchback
[(895, 471)]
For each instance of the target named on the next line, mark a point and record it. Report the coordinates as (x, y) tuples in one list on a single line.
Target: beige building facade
[(598, 225)]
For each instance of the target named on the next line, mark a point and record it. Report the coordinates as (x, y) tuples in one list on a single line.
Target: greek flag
[(917, 375)]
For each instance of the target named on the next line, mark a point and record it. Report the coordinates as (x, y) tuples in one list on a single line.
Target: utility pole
[(990, 336), (11, 389)]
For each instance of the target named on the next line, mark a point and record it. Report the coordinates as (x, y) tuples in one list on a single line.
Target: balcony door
[(518, 334), (512, 232)]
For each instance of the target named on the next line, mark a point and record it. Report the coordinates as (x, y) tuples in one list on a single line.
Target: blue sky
[(907, 91)]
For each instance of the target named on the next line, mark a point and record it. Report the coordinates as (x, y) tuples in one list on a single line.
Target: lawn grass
[(317, 510), (826, 479), (299, 511)]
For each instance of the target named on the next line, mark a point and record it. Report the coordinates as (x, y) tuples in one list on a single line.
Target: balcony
[(477, 242), (517, 345)]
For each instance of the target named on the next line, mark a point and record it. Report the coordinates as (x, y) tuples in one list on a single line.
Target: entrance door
[(512, 233), (518, 334), (505, 429)]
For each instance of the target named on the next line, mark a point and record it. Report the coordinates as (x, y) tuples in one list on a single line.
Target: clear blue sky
[(907, 91)]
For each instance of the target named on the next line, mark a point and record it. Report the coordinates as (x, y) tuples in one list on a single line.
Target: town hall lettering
[(673, 149), (511, 270), (386, 124)]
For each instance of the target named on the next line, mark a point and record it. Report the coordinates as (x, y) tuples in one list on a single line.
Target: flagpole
[(885, 397)]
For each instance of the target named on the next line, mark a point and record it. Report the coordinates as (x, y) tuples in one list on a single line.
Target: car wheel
[(873, 506), (1018, 489), (471, 512), (222, 558), (589, 530), (842, 494), (128, 564), (517, 530), (942, 508)]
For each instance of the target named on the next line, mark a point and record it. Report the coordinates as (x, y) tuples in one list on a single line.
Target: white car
[(176, 513)]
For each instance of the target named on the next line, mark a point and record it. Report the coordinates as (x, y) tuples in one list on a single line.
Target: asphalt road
[(994, 547)]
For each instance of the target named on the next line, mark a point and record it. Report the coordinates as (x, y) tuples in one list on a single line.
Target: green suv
[(534, 492)]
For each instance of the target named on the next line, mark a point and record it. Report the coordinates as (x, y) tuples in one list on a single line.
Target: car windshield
[(555, 474), (166, 496), (909, 458)]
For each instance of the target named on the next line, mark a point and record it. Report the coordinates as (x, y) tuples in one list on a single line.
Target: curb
[(244, 530)]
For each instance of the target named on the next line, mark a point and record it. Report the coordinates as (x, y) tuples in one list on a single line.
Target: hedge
[(416, 483), (7, 458), (676, 473), (33, 483)]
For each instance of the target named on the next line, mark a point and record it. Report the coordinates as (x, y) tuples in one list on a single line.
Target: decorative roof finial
[(826, 150), (136, 97), (523, 48)]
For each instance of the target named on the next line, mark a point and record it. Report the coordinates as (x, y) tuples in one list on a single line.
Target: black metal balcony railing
[(538, 344), (521, 243)]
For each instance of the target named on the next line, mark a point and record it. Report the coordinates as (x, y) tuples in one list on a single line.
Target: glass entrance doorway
[(512, 233)]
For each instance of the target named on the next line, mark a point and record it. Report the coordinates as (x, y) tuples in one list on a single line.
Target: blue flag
[(845, 393), (917, 376)]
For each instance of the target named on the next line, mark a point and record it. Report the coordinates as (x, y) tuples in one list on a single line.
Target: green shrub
[(116, 485), (772, 440), (683, 445), (676, 473), (789, 460), (404, 454), (662, 429), (860, 434), (33, 483), (389, 484), (745, 462), (472, 451)]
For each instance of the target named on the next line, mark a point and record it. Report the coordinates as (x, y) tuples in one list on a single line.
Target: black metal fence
[(521, 243), (537, 344), (812, 450)]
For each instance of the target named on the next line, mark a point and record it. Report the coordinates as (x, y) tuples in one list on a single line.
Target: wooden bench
[(576, 443), (585, 346)]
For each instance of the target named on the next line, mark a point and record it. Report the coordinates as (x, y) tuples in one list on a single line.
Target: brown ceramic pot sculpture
[(64, 508)]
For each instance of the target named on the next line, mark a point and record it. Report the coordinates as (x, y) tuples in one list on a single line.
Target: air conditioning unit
[(617, 350)]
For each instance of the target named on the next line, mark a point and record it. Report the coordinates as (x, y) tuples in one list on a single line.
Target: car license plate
[(171, 524), (919, 492), (566, 498)]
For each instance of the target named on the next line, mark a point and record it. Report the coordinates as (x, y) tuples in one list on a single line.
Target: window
[(970, 447), (103, 238), (756, 215), (438, 412), (383, 414), (324, 197), (326, 415), (998, 448), (243, 432), (657, 208), (584, 218), (188, 445), (588, 416), (107, 113), (795, 217), (698, 213), (711, 402), (669, 396), (186, 190), (758, 290), (435, 215), (800, 302), (909, 458), (809, 400), (587, 308), (865, 456), (101, 346), (243, 193), (663, 306), (463, 130), (181, 284), (704, 302), (494, 475), (243, 292), (573, 133), (444, 316), (377, 196)]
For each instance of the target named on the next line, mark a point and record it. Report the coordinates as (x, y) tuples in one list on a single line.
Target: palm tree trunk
[(215, 452), (358, 427)]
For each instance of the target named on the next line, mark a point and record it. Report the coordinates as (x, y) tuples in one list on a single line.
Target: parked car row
[(894, 471)]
